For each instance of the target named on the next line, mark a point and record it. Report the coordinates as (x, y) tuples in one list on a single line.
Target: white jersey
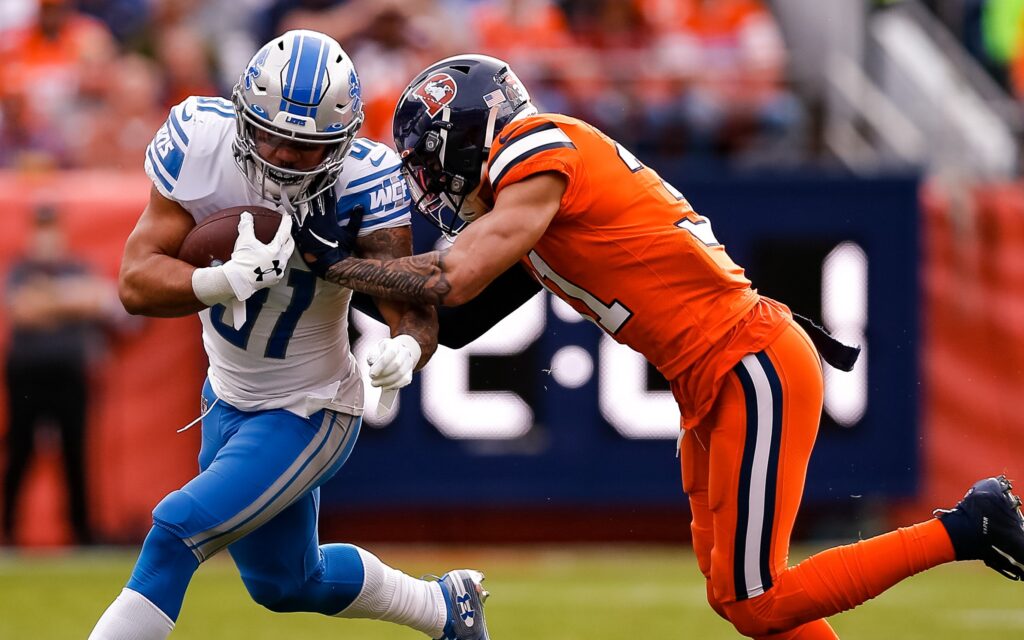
[(293, 350)]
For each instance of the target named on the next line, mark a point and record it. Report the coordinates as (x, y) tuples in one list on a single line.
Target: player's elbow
[(460, 293), (131, 299), (132, 292), (464, 285), (455, 298)]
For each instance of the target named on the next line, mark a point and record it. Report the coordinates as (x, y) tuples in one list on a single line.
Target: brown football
[(211, 241)]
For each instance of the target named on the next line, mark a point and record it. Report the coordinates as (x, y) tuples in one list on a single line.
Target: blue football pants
[(257, 494)]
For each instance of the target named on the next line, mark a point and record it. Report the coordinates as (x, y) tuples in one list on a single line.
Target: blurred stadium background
[(861, 159)]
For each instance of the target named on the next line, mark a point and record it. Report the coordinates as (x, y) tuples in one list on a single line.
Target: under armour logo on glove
[(274, 269), (245, 270)]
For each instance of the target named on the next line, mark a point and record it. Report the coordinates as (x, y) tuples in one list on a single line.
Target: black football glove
[(321, 241)]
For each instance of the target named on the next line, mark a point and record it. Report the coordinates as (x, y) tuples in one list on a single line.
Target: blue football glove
[(321, 241)]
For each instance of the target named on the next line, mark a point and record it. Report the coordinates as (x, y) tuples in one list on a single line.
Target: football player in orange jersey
[(624, 248)]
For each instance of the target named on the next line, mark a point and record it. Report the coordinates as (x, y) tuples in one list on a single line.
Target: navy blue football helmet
[(444, 124)]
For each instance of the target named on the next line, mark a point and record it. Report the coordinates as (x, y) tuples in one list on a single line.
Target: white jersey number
[(635, 165), (611, 317)]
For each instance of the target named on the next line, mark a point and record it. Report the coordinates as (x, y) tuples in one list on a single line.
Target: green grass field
[(572, 593)]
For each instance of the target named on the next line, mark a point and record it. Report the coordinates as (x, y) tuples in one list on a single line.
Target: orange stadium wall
[(145, 388), (973, 347)]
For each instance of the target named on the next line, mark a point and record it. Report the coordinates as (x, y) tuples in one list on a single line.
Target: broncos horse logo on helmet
[(301, 89), (444, 125), (435, 92)]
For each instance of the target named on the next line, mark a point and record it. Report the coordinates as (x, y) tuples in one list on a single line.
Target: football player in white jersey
[(283, 397)]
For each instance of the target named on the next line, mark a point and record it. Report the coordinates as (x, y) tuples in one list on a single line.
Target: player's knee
[(752, 619), (279, 597), (175, 512), (283, 596), (713, 600)]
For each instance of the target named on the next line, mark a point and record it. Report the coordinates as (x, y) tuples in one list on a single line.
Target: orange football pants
[(744, 466)]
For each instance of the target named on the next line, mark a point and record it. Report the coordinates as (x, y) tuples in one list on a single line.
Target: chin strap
[(299, 213), (492, 118)]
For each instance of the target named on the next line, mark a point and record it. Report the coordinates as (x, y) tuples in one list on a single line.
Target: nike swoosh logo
[(379, 159), (333, 245), (185, 116), (1008, 557)]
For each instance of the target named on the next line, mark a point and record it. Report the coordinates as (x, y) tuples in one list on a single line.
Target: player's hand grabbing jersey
[(293, 351), (628, 251)]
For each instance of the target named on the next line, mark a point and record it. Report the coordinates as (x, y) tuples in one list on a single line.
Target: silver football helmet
[(300, 89)]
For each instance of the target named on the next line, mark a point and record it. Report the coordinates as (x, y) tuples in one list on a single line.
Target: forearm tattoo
[(418, 279), (384, 244), (420, 322), (386, 247)]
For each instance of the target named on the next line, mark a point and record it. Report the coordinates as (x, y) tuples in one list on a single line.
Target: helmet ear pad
[(473, 206)]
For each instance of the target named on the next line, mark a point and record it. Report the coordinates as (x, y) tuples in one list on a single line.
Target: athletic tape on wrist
[(211, 286)]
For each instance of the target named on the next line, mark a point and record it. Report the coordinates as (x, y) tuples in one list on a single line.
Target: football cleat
[(464, 595), (987, 525)]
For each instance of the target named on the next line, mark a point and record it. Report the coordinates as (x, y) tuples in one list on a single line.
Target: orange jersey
[(628, 251)]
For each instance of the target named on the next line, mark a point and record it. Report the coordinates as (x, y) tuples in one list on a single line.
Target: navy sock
[(961, 532)]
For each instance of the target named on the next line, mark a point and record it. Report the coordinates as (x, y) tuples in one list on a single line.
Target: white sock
[(392, 596), (132, 617)]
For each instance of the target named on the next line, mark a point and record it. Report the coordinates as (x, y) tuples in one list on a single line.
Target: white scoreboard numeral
[(623, 397), (624, 400), (462, 414), (844, 311)]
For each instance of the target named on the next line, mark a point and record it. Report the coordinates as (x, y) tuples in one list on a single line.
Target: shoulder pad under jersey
[(184, 157), (521, 141), (372, 178)]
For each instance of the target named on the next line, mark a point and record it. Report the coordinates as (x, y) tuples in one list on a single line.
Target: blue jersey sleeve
[(381, 192)]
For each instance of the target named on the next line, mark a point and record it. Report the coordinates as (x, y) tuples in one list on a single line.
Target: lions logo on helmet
[(256, 66), (302, 88), (354, 91)]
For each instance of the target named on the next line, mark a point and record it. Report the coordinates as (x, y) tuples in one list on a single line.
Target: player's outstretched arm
[(418, 321), (486, 249), (461, 325), (152, 281)]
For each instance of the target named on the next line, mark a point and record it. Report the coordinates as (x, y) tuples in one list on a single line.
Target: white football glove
[(254, 265), (392, 362)]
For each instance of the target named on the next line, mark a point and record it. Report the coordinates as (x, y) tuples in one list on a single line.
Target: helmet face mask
[(436, 193), (277, 183), (299, 92), (435, 205), (444, 125)]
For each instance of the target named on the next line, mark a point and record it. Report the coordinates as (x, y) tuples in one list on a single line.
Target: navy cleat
[(465, 595), (987, 525)]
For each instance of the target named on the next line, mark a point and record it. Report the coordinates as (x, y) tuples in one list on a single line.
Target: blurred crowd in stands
[(85, 83)]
